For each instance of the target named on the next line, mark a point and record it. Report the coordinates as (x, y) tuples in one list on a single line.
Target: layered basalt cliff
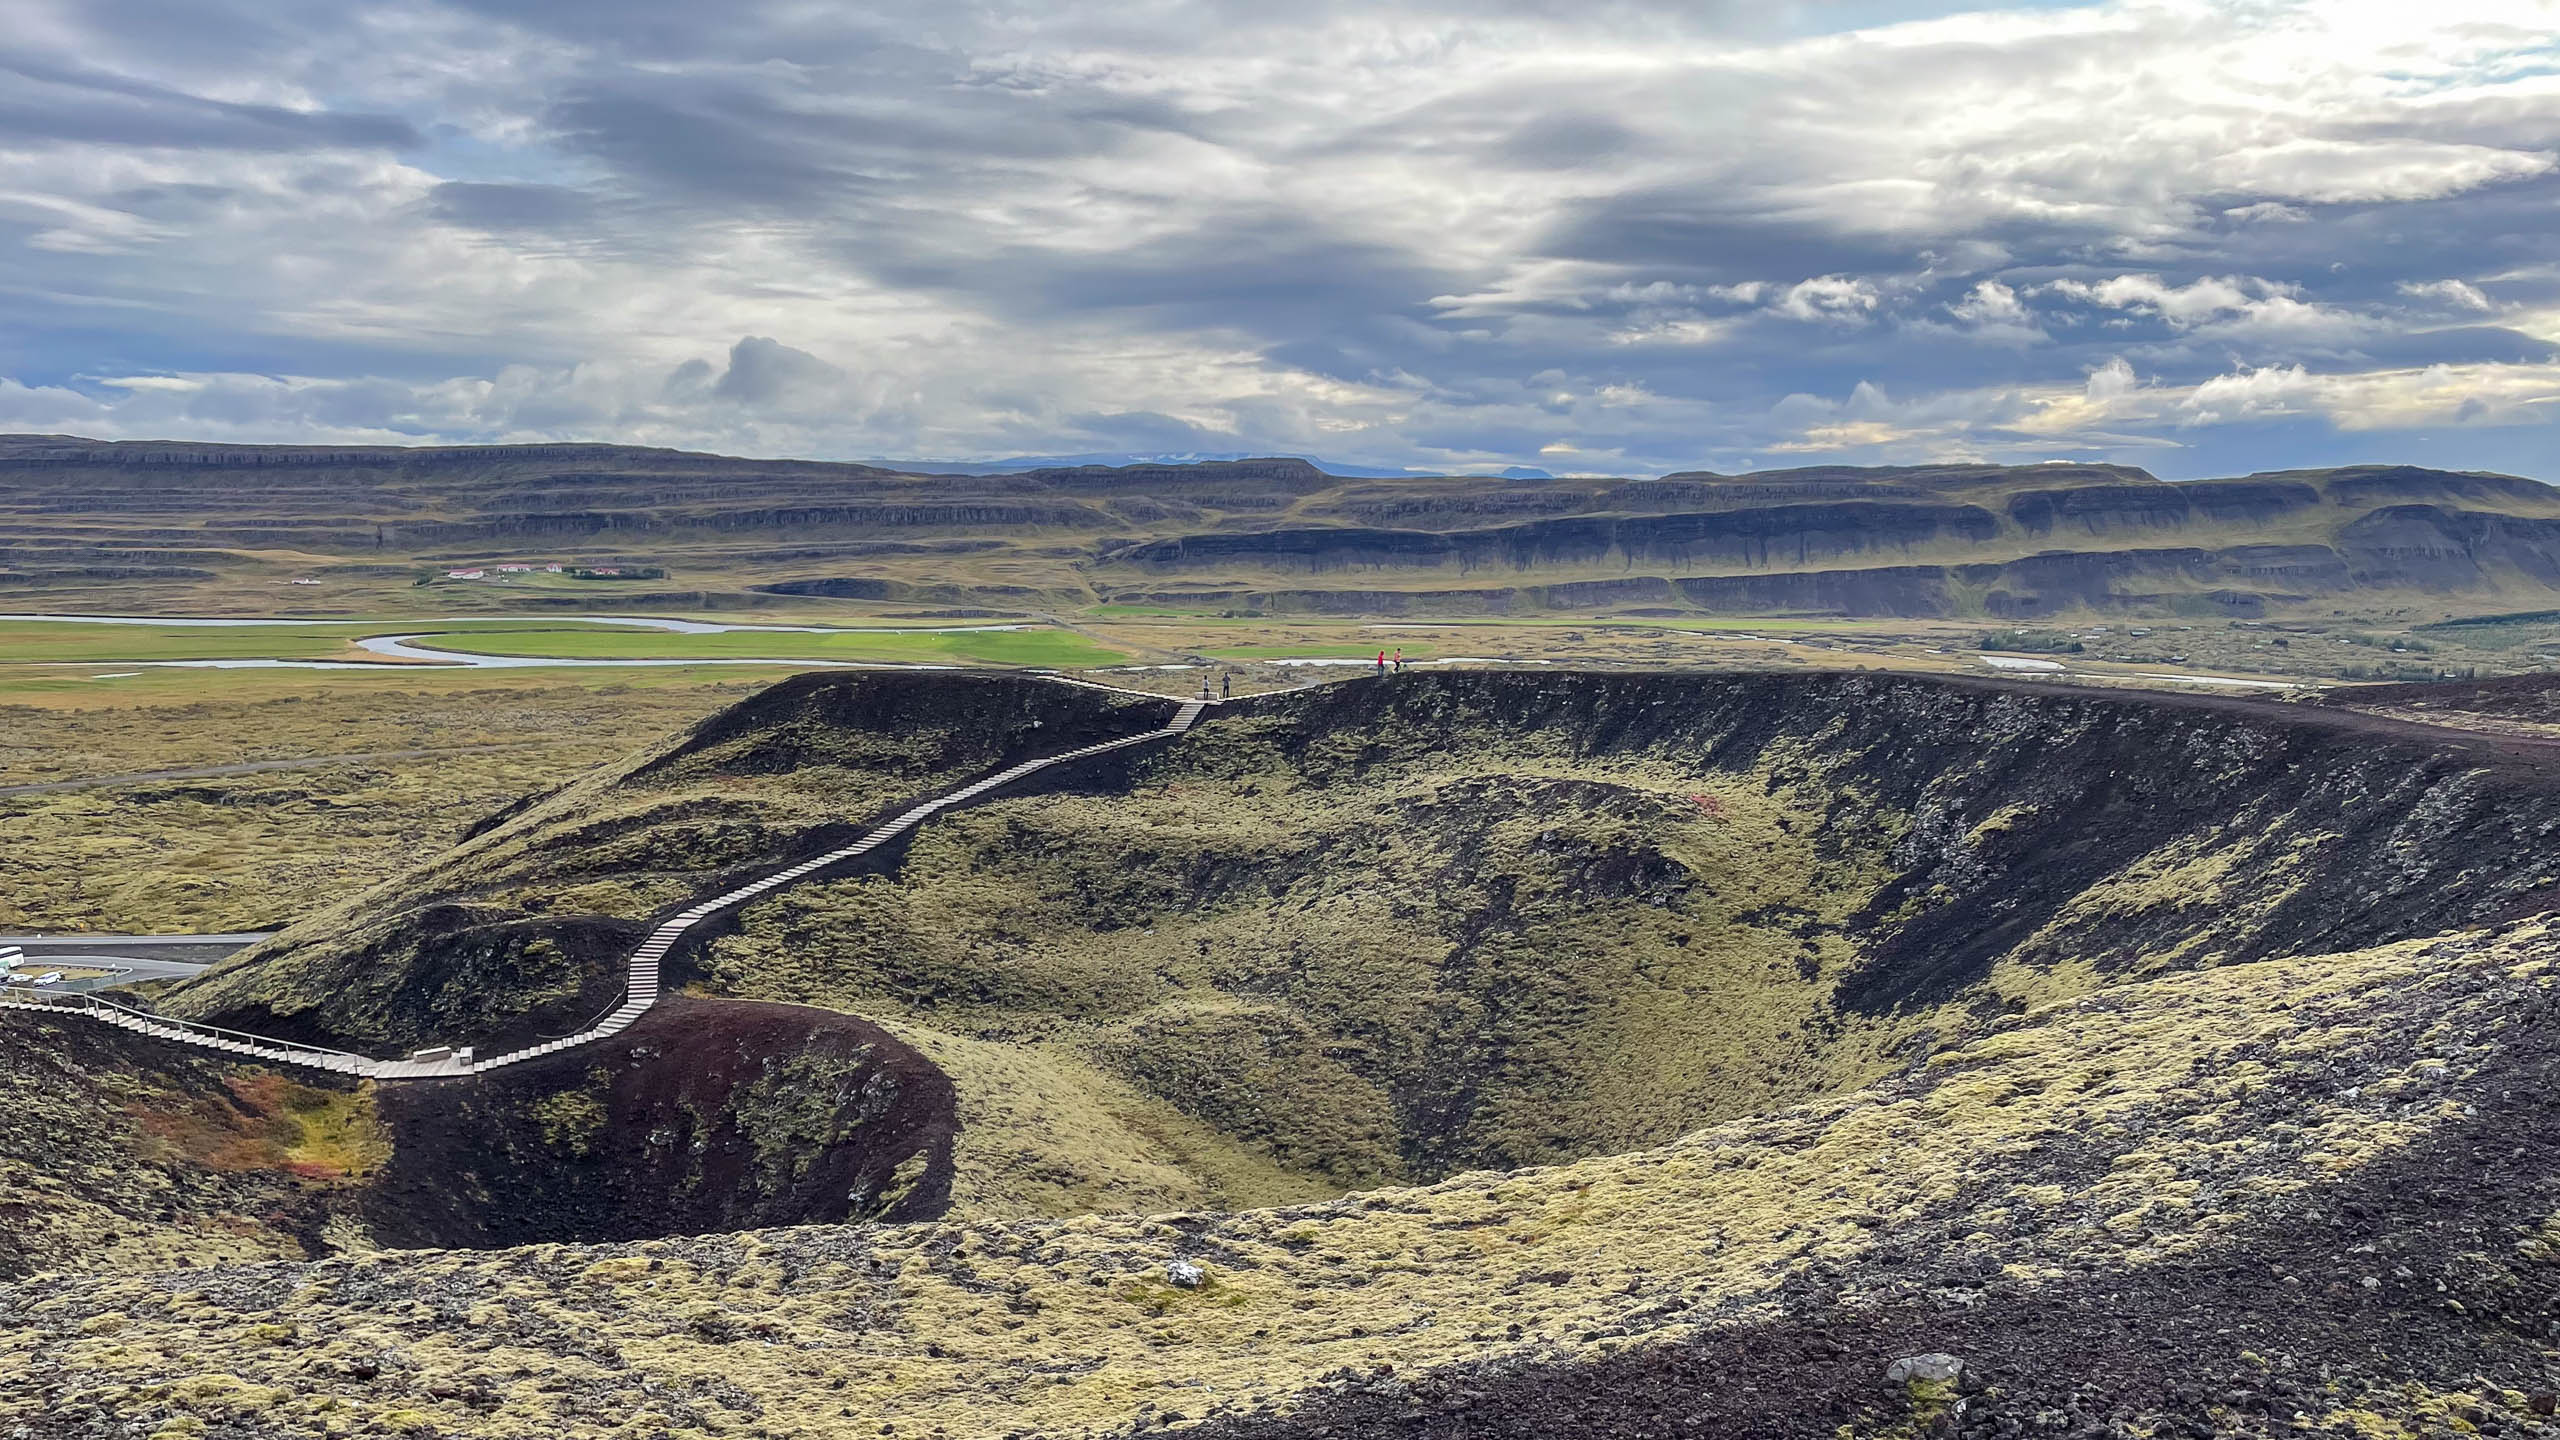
[(1780, 535), (1956, 540)]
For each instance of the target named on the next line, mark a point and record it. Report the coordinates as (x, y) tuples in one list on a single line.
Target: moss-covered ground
[(116, 1154), (1444, 966), (377, 780), (2163, 1121)]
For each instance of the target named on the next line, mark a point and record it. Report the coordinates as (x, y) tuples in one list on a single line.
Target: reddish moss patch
[(259, 1120)]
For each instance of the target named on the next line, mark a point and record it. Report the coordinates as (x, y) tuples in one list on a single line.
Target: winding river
[(409, 647)]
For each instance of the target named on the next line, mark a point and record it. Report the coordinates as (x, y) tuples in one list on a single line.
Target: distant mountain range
[(86, 523)]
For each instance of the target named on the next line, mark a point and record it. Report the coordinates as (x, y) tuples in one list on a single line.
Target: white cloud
[(2456, 294), (2224, 307), (2332, 172), (2184, 306), (1990, 303), (2267, 212), (1839, 299), (2431, 396)]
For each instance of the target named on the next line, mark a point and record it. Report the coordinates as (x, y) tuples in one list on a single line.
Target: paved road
[(136, 968), (195, 945), (131, 959), (149, 957)]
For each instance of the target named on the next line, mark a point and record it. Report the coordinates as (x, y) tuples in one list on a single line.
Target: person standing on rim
[(1399, 659), (1227, 685), (1382, 662)]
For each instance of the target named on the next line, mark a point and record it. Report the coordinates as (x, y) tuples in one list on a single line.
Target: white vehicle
[(50, 977)]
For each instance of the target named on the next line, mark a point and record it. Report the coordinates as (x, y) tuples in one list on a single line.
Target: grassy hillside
[(523, 925)]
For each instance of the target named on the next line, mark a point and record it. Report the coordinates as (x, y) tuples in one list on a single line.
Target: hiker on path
[(1382, 662), (1227, 686), (1399, 659)]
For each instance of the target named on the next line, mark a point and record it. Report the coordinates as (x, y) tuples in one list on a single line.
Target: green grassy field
[(100, 688), (66, 642), (1313, 652), (41, 641), (1754, 626), (80, 642), (968, 647)]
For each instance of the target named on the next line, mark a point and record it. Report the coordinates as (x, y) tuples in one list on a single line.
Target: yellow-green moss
[(2159, 1092), (570, 1120)]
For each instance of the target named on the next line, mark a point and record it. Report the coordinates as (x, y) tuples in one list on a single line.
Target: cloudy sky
[(1582, 235)]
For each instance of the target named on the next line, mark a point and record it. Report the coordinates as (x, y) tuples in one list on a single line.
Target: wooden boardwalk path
[(641, 976)]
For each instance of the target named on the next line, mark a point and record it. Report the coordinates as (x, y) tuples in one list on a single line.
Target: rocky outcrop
[(2429, 547), (1885, 590), (2100, 509)]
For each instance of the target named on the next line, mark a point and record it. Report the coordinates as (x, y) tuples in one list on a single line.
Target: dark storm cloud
[(833, 149), (764, 371), (46, 101), (1280, 276), (1710, 237), (734, 146), (2364, 251), (1564, 141), (510, 207)]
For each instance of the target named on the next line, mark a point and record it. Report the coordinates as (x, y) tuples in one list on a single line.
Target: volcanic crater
[(1361, 935), (1438, 1054)]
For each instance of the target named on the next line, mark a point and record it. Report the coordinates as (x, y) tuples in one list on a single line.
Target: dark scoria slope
[(143, 519), (707, 1116)]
